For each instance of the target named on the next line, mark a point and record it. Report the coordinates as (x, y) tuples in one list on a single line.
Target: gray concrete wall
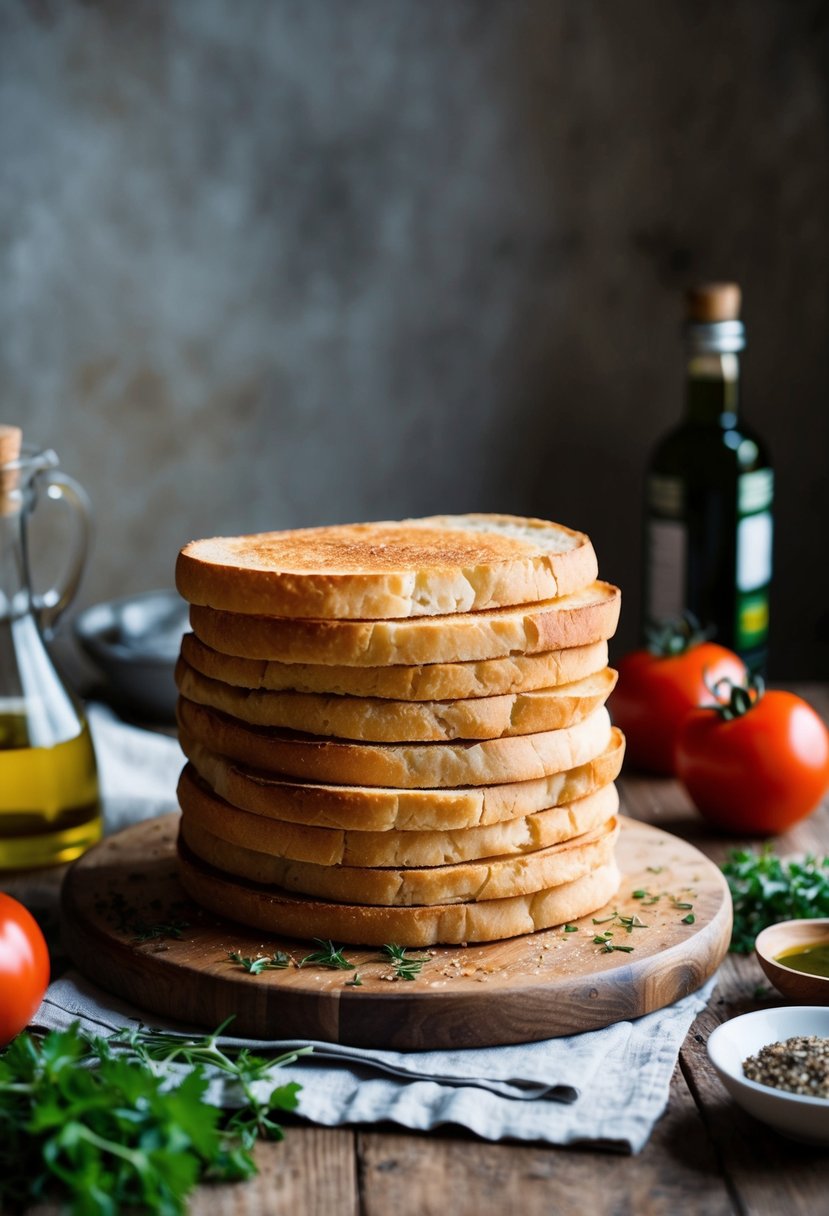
[(269, 263)]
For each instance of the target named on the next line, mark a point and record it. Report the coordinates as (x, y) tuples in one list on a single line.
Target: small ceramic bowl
[(135, 642), (796, 985), (793, 1115)]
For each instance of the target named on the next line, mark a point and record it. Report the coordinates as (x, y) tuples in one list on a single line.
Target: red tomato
[(655, 693), (24, 967), (759, 772)]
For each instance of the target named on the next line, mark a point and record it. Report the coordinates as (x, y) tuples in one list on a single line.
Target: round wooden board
[(535, 987)]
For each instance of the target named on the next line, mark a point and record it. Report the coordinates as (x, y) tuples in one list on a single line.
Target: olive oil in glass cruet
[(49, 802)]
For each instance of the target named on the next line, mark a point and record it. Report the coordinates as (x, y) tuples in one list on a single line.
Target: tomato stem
[(675, 635), (737, 699)]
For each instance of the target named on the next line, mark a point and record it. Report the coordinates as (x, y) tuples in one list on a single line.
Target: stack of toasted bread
[(396, 732)]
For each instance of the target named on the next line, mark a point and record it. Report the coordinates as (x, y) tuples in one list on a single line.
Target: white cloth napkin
[(620, 1075), (138, 770)]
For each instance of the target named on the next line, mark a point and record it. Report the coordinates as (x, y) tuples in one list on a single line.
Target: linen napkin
[(605, 1087)]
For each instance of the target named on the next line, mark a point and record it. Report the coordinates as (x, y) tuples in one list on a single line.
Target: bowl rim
[(91, 622), (771, 1092), (766, 957)]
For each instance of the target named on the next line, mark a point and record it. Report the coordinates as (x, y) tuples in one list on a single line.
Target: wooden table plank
[(677, 1171), (769, 1173), (313, 1170)]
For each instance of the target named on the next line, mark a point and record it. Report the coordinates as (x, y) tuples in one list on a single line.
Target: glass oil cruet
[(49, 805)]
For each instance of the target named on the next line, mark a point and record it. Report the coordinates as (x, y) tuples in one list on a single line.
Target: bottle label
[(755, 491), (754, 551), (752, 619), (666, 496), (670, 562), (667, 557)]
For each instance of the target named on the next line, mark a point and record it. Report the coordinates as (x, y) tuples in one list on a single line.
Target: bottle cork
[(711, 302), (11, 438)]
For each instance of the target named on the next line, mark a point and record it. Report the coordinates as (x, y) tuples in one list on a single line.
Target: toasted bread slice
[(278, 912), (325, 847), (375, 720), (493, 878), (586, 616), (415, 567), (423, 682), (354, 808), (404, 765)]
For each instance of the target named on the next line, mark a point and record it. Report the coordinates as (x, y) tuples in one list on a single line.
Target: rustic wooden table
[(705, 1156)]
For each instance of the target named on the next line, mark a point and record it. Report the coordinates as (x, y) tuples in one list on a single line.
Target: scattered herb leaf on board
[(87, 1121), (255, 966), (149, 933), (765, 889), (405, 966), (328, 955)]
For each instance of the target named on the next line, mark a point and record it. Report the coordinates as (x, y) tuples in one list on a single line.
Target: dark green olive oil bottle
[(709, 493)]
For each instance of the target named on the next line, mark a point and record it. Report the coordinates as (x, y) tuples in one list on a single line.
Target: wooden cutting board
[(130, 928)]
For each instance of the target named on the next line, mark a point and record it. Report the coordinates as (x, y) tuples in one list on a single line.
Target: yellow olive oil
[(812, 960), (49, 804)]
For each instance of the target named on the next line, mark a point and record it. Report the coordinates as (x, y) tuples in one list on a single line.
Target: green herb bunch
[(90, 1122), (765, 889)]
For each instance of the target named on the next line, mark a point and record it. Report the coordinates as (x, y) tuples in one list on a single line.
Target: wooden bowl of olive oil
[(795, 956)]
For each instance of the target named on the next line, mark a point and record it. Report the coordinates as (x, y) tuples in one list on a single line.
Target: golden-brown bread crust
[(275, 911), (586, 616), (376, 720), (405, 765), (401, 682), (371, 809), (492, 878), (389, 569), (327, 847)]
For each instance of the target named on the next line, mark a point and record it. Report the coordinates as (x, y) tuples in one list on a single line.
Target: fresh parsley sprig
[(765, 889), (91, 1122)]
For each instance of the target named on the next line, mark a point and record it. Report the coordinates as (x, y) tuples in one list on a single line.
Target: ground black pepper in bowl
[(799, 1065)]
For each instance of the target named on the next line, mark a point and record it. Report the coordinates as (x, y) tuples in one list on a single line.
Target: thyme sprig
[(405, 966), (328, 955)]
